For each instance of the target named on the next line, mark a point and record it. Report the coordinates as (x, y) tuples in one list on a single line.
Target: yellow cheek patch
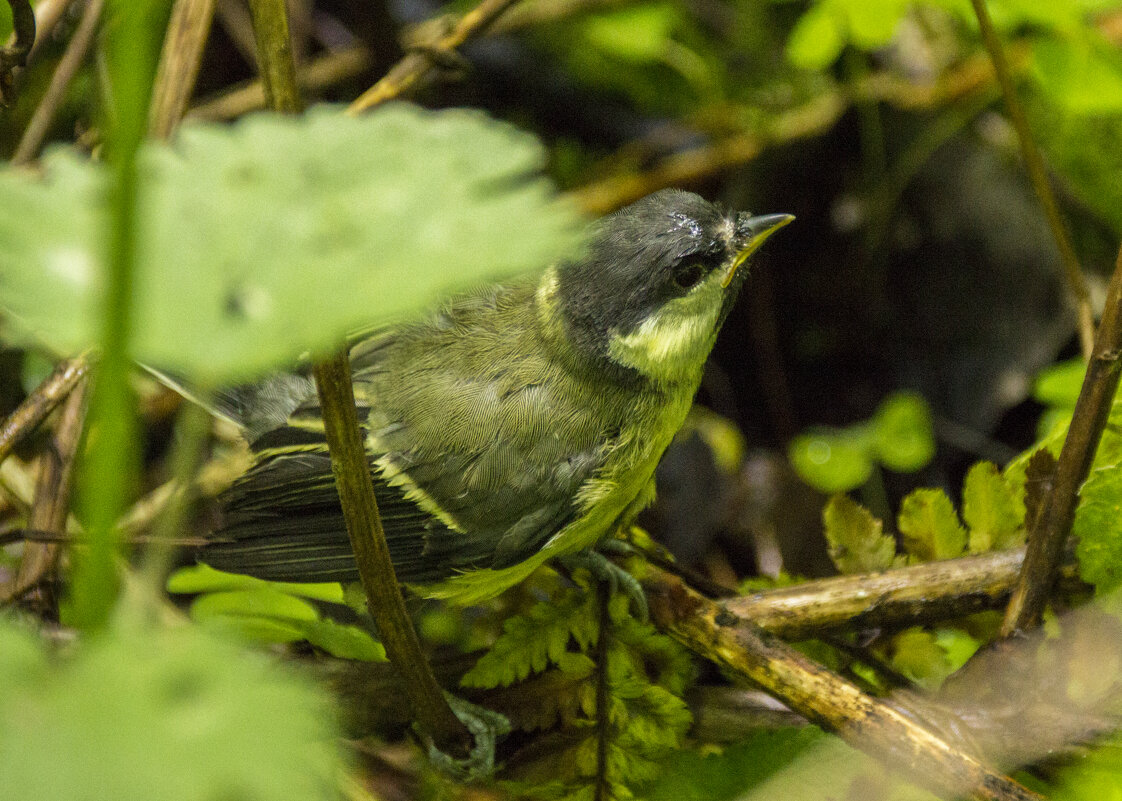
[(672, 344)]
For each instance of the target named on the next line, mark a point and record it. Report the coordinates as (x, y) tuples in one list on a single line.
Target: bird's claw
[(605, 571), (487, 727)]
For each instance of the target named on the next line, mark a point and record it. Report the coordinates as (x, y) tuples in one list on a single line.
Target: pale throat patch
[(671, 345)]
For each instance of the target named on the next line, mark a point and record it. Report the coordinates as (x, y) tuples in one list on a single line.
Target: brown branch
[(866, 723), (927, 592), (372, 555), (1034, 164), (1050, 527), (15, 54), (68, 66), (419, 65), (41, 402), (180, 58), (52, 499)]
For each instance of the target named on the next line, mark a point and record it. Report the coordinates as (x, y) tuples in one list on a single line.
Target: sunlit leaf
[(903, 434), (817, 39), (832, 460), (1098, 529), (930, 527), (1082, 75), (857, 543), (274, 236), (991, 509)]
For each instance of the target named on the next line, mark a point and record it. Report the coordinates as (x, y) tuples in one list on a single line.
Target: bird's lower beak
[(753, 232)]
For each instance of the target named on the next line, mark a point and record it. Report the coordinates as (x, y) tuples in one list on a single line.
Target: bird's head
[(656, 282)]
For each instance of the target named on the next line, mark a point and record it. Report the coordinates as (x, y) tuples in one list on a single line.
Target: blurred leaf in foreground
[(171, 715), (277, 235)]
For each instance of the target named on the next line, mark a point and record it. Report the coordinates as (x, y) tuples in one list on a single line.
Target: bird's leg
[(604, 570), (487, 727)]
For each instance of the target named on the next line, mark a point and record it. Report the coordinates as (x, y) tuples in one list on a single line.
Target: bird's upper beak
[(751, 232)]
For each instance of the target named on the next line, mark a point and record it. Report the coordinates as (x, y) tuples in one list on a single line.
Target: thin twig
[(419, 65), (15, 54), (1039, 177), (182, 54), (603, 716), (41, 402), (64, 73), (52, 497), (372, 555), (1052, 525), (821, 696)]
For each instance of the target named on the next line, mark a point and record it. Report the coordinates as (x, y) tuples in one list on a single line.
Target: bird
[(512, 425)]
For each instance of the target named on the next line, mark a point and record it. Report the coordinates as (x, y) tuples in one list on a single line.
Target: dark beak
[(751, 232)]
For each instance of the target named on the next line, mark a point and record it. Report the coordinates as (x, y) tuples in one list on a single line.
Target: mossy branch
[(866, 723)]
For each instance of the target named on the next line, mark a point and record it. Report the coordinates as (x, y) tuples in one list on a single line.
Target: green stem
[(274, 55), (372, 555), (1034, 164)]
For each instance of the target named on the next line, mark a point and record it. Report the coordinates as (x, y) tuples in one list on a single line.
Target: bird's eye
[(688, 275)]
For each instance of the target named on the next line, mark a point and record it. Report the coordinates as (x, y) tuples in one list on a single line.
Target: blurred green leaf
[(635, 33), (739, 766), (1098, 529), (930, 527), (1082, 75), (264, 614), (917, 654), (258, 602), (204, 578), (171, 715), (857, 543), (1097, 776), (872, 23), (991, 509), (817, 39), (277, 235), (958, 645), (903, 434), (833, 460), (1059, 384)]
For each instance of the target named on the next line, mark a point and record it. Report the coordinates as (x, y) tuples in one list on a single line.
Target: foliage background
[(889, 340)]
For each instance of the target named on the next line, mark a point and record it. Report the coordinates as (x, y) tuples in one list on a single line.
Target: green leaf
[(170, 715), (1059, 384), (532, 641), (259, 602), (873, 23), (930, 527), (1098, 529), (641, 33), (204, 578), (832, 460), (992, 510), (903, 434), (817, 39), (857, 544), (916, 654), (277, 235), (1082, 75)]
